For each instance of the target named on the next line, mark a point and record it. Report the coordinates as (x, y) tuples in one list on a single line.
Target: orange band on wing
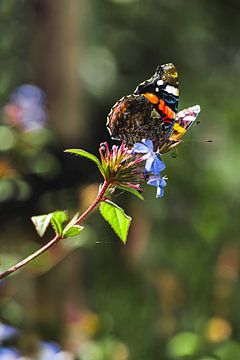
[(152, 98), (166, 110), (170, 114)]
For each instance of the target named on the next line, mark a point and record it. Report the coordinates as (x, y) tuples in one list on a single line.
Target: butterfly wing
[(163, 85), (132, 119), (184, 120), (162, 92), (150, 112)]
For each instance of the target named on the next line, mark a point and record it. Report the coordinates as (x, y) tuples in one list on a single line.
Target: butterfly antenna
[(103, 242), (199, 140), (196, 123)]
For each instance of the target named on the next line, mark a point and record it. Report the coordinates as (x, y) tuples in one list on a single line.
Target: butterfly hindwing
[(184, 120)]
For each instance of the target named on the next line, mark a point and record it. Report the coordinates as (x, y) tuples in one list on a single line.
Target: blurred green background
[(173, 292)]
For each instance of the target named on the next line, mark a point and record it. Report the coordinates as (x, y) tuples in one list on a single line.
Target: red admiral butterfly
[(151, 112)]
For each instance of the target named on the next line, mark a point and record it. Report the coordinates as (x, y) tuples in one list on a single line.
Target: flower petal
[(149, 163), (160, 192), (140, 148), (148, 143), (144, 147), (160, 189), (157, 166), (162, 183), (159, 182), (154, 180)]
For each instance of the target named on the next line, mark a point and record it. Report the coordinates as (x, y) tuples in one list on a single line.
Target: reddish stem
[(56, 239)]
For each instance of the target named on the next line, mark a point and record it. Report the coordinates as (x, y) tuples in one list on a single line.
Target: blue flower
[(27, 108), (154, 165), (7, 332), (9, 353), (48, 351), (160, 183)]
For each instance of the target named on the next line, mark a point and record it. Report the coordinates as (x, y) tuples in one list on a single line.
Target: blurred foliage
[(173, 291)]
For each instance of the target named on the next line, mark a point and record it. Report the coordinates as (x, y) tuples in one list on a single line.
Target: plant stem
[(57, 238), (30, 257)]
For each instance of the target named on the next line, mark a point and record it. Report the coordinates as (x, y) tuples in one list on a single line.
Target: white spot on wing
[(189, 118), (159, 82), (196, 108), (172, 90)]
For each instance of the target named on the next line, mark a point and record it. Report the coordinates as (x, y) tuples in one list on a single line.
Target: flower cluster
[(153, 167), (122, 167)]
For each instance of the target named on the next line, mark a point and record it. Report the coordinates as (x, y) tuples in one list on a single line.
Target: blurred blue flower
[(7, 332), (154, 164), (48, 351), (159, 182), (9, 354), (27, 108)]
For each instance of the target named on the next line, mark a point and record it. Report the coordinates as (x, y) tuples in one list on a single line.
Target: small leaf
[(41, 223), (71, 223), (89, 156), (73, 231), (116, 218), (57, 221), (86, 238), (132, 191)]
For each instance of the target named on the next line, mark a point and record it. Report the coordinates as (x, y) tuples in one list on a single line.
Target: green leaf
[(41, 223), (116, 218), (86, 238), (89, 156), (132, 191), (57, 220), (70, 224), (73, 231)]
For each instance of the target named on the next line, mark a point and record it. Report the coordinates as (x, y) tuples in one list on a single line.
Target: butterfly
[(151, 112)]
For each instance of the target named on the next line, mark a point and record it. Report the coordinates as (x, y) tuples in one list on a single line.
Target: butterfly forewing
[(163, 85)]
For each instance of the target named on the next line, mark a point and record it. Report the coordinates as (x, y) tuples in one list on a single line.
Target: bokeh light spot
[(24, 190), (7, 189), (218, 329), (99, 70), (45, 165), (228, 351), (7, 138), (183, 344)]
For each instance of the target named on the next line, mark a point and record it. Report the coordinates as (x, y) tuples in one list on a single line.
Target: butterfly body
[(151, 112)]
